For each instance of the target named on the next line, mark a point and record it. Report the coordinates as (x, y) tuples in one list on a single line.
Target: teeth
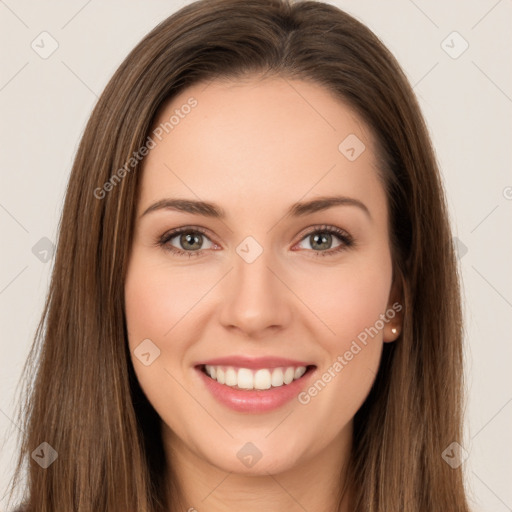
[(245, 378), (277, 378), (231, 377), (288, 375), (262, 379), (299, 372), (265, 378)]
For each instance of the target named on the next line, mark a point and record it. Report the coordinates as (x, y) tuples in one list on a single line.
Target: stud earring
[(394, 330)]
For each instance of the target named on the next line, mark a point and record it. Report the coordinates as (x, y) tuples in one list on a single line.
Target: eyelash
[(346, 240)]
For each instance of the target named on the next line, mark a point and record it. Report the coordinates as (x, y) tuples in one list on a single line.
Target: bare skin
[(254, 148)]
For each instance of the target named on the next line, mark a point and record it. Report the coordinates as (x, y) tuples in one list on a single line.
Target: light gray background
[(467, 102)]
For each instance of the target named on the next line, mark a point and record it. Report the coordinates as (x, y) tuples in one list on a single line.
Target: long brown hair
[(82, 396)]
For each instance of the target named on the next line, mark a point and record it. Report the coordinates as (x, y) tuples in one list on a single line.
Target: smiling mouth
[(246, 379)]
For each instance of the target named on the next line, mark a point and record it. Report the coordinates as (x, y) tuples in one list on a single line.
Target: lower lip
[(252, 400)]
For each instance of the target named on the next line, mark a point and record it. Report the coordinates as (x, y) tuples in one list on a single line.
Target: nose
[(256, 299)]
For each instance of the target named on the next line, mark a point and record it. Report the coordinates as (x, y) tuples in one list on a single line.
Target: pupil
[(324, 238), (190, 239)]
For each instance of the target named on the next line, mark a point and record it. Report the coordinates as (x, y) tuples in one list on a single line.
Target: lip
[(254, 401), (254, 363)]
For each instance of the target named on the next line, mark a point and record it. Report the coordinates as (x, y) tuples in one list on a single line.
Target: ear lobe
[(395, 310), (391, 332)]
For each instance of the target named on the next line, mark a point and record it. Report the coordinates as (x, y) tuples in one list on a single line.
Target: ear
[(395, 310)]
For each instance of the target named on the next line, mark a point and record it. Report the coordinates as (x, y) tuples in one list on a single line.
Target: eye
[(186, 241), (189, 241), (321, 240)]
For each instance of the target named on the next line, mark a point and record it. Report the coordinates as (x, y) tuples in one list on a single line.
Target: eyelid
[(322, 227), (346, 240), (172, 233), (184, 229)]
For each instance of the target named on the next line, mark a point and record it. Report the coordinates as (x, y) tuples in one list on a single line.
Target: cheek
[(162, 304), (348, 300), (157, 299), (157, 302), (351, 301)]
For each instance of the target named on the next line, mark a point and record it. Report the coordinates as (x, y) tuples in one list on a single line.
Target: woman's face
[(264, 278)]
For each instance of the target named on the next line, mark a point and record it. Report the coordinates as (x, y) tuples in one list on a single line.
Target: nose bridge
[(255, 298)]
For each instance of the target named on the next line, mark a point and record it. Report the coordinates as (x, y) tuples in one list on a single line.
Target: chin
[(254, 457)]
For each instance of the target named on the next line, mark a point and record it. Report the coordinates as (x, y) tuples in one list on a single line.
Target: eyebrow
[(298, 209)]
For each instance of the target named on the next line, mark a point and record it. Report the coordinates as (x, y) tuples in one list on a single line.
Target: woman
[(255, 300)]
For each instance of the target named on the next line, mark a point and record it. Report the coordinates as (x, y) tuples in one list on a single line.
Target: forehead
[(259, 140)]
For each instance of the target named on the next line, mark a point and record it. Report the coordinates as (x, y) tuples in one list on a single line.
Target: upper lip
[(254, 362)]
